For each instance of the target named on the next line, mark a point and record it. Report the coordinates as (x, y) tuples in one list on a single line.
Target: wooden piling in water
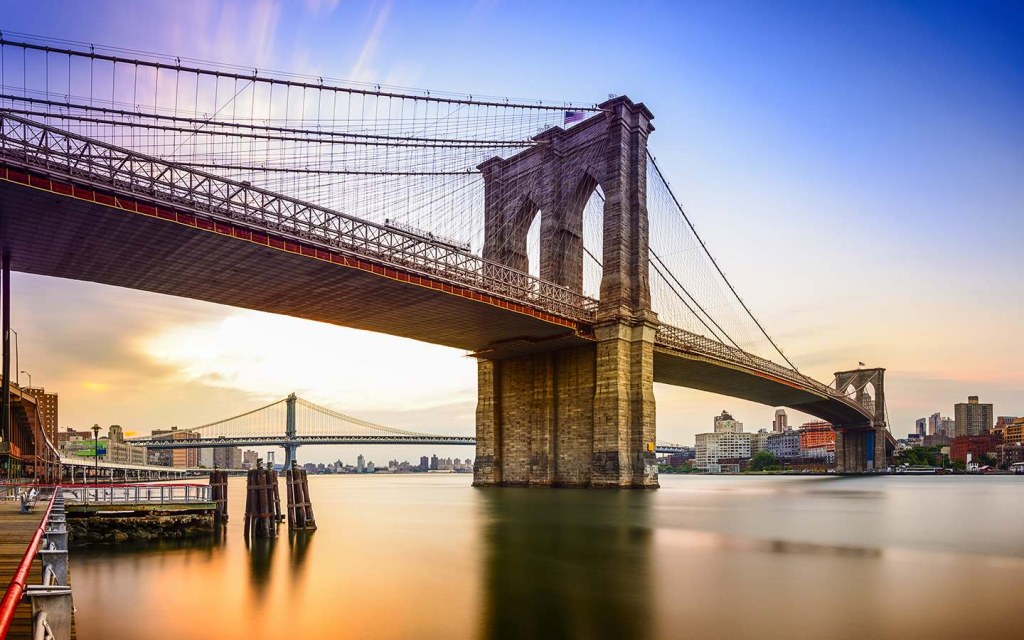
[(278, 516), (261, 502), (219, 495), (300, 509)]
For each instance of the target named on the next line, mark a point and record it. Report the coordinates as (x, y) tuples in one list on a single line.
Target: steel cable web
[(689, 289), (400, 157)]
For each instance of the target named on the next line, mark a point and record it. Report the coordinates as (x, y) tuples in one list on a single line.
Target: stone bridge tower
[(579, 414), (863, 447)]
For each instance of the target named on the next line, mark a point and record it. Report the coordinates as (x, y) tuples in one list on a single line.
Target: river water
[(429, 556)]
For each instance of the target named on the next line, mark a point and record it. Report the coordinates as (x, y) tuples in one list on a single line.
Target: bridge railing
[(142, 494), (684, 340), (63, 154)]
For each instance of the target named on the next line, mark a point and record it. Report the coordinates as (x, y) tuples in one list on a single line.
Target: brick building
[(977, 446)]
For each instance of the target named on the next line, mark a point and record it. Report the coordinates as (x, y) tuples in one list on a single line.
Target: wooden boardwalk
[(16, 531)]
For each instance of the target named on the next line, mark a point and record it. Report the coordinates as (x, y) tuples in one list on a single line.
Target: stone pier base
[(861, 450), (577, 417)]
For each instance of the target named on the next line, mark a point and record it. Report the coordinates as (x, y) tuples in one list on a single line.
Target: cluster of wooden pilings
[(300, 509), (262, 503), (219, 495)]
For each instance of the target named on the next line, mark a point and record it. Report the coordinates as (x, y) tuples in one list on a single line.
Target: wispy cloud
[(361, 71)]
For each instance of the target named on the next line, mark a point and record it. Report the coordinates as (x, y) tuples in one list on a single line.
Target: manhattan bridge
[(540, 237)]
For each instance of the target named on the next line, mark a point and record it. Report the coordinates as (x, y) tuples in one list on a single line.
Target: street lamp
[(96, 451), (17, 356), (29, 378)]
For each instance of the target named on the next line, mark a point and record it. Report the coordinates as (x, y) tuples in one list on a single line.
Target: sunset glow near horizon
[(856, 170)]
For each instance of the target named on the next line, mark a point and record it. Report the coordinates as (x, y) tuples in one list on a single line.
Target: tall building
[(424, 463), (972, 417), (934, 423), (1014, 433), (121, 452), (759, 441), (947, 427), (781, 421), (920, 427), (249, 459), (227, 458), (47, 404), (712, 447), (727, 441), (180, 458), (725, 423), (433, 462), (360, 464), (206, 457), (1002, 422)]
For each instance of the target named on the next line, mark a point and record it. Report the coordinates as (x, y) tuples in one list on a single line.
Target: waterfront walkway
[(16, 530)]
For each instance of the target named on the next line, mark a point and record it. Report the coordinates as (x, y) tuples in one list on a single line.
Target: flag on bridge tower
[(861, 364), (573, 116)]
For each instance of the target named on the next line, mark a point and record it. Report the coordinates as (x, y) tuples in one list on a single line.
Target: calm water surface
[(704, 557)]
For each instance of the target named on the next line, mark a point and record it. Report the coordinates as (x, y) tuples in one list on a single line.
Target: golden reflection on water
[(727, 557)]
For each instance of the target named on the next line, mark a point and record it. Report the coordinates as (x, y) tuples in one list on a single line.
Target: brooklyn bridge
[(542, 238)]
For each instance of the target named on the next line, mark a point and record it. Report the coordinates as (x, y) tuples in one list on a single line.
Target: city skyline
[(884, 182)]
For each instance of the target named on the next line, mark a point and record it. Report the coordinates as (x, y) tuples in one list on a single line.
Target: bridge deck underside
[(675, 368), (55, 235)]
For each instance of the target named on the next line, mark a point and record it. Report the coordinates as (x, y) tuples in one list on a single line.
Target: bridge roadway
[(281, 441), (78, 209)]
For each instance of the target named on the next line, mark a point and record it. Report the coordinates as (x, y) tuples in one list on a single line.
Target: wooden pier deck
[(16, 531)]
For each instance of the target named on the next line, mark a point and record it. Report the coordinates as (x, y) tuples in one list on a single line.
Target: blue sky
[(857, 168)]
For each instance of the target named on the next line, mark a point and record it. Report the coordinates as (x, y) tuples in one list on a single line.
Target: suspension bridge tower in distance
[(561, 413)]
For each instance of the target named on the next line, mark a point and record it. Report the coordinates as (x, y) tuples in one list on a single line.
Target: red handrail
[(104, 485), (17, 587)]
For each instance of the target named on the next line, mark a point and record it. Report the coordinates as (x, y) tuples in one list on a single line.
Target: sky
[(857, 168)]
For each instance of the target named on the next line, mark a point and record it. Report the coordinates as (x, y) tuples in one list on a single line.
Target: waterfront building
[(759, 441), (921, 426), (360, 464), (934, 421), (972, 417), (781, 421), (711, 447), (179, 458), (727, 441), (948, 427), (121, 452), (433, 462), (785, 444), (817, 434), (47, 405), (424, 463), (975, 446)]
